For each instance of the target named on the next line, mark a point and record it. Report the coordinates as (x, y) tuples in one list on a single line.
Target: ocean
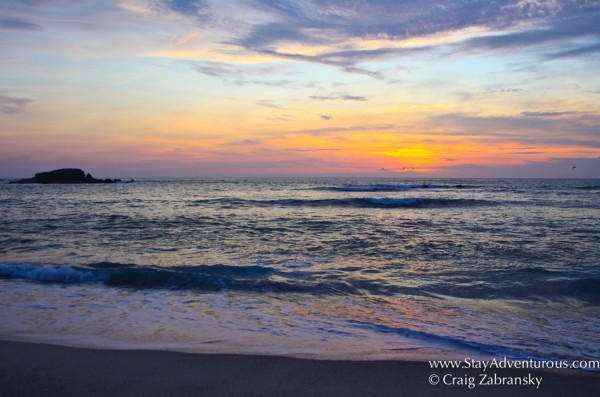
[(313, 267)]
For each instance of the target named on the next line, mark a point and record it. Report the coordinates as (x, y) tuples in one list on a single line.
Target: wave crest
[(359, 202), (522, 284), (387, 187)]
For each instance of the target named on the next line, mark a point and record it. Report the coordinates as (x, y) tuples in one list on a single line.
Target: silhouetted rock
[(65, 175)]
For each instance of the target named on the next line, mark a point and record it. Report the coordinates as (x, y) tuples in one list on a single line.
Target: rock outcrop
[(65, 175)]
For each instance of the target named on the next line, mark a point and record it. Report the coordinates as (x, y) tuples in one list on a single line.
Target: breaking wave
[(524, 284)]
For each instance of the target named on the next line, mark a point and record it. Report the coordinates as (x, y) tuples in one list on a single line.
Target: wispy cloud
[(200, 10), (313, 22), (267, 103), (402, 19), (348, 60), (325, 131), (556, 167), (232, 70), (547, 114), (576, 51), (215, 69), (331, 31), (243, 75), (10, 104), (18, 24), (567, 27), (503, 90), (245, 142), (185, 6), (577, 130), (264, 35), (268, 83), (339, 97), (526, 152), (312, 150)]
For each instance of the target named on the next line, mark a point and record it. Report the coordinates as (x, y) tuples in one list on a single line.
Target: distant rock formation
[(65, 175)]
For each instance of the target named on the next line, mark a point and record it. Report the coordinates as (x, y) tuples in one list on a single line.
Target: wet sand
[(28, 369)]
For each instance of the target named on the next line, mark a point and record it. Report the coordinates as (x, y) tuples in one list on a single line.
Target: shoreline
[(33, 369)]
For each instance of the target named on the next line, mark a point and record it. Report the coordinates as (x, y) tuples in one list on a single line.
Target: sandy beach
[(28, 369)]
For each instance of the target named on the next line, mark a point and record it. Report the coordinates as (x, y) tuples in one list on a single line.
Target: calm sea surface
[(354, 268)]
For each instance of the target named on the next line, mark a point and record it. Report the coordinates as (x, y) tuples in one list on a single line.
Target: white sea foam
[(46, 273), (93, 315)]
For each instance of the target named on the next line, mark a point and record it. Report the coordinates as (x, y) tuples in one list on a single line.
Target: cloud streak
[(333, 22), (326, 131), (575, 52), (557, 167), (339, 97), (400, 19), (304, 150), (569, 37), (267, 103), (185, 6), (348, 60), (243, 75), (547, 114), (10, 105), (530, 129), (18, 24)]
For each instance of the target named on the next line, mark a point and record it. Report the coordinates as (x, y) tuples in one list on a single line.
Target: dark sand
[(28, 369)]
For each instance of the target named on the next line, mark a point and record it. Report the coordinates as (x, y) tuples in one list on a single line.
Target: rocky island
[(65, 175)]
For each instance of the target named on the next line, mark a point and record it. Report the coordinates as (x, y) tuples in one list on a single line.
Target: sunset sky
[(391, 88)]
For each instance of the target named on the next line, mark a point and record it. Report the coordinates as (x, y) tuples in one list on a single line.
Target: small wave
[(46, 273), (419, 202), (205, 278), (201, 278), (361, 202), (416, 202), (400, 202), (524, 284), (588, 187), (386, 187), (443, 341)]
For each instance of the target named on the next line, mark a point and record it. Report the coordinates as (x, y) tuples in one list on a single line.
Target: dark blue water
[(338, 267)]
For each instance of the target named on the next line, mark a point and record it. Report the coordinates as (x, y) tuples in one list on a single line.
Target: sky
[(377, 88)]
